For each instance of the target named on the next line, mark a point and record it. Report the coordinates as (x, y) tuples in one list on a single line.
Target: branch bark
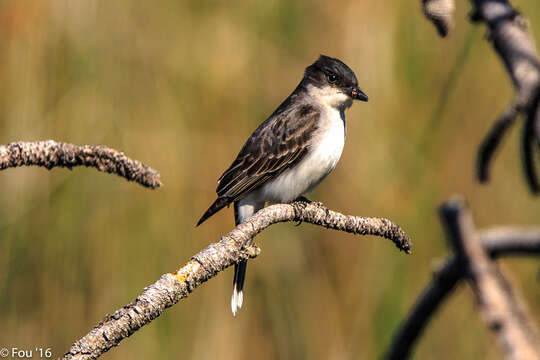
[(51, 154), (496, 242), (231, 249)]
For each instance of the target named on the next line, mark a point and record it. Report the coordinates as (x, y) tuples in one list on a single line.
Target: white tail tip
[(240, 299), (236, 300)]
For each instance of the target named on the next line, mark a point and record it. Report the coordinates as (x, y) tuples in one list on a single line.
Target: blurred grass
[(180, 86)]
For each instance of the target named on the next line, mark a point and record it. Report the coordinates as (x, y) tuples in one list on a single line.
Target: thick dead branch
[(172, 287), (51, 154), (497, 242), (502, 309)]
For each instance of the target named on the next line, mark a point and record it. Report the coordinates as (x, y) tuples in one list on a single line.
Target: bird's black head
[(327, 71)]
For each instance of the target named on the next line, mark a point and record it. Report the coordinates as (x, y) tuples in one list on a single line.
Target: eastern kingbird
[(292, 151)]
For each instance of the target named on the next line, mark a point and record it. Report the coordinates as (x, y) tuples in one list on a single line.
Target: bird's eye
[(332, 78)]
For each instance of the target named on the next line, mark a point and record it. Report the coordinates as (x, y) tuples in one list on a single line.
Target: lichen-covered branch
[(51, 154), (172, 287), (496, 242)]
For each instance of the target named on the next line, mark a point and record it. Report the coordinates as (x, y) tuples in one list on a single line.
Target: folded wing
[(278, 144)]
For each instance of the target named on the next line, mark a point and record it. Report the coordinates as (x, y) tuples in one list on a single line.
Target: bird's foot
[(301, 202), (303, 199)]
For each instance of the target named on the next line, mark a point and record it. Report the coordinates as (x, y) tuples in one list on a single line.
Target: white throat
[(325, 148), (330, 96)]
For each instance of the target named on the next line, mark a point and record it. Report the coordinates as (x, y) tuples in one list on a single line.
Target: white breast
[(326, 148)]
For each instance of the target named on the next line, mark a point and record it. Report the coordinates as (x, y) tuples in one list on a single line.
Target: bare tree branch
[(51, 154), (172, 287), (503, 311), (513, 42), (501, 241), (496, 242), (231, 249), (444, 281)]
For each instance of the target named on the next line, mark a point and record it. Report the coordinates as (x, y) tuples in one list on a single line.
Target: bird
[(291, 152)]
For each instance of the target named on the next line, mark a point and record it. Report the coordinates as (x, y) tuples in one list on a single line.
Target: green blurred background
[(180, 85)]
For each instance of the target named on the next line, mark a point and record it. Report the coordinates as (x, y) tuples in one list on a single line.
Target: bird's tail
[(219, 204), (238, 286), (240, 268), (239, 273)]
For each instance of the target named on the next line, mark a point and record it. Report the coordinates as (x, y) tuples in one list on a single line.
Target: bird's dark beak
[(358, 94)]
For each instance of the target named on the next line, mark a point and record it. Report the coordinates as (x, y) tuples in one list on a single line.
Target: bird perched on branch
[(292, 151)]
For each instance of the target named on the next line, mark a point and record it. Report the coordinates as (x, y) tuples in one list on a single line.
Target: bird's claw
[(303, 199)]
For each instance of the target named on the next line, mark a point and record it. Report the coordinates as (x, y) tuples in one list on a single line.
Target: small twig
[(505, 241), (497, 242), (51, 154), (172, 287), (492, 140), (530, 142), (441, 14)]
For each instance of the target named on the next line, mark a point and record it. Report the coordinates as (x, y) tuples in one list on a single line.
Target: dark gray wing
[(276, 145)]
